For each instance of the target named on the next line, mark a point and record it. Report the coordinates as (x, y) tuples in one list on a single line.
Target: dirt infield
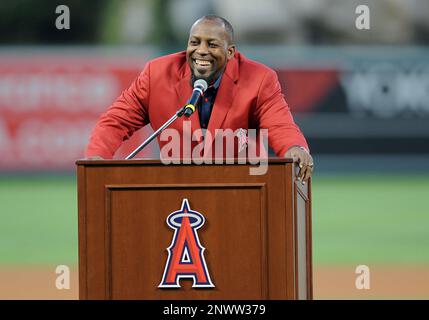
[(407, 282), (35, 283)]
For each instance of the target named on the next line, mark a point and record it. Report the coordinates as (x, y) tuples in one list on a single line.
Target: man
[(242, 94)]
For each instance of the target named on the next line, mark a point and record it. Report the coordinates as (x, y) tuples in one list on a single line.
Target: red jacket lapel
[(184, 91), (225, 96)]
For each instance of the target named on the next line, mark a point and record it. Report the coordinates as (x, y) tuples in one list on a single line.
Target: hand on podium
[(305, 161)]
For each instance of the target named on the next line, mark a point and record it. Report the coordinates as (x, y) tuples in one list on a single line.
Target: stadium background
[(361, 97)]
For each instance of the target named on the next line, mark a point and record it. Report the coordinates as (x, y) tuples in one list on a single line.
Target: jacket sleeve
[(126, 115), (273, 113)]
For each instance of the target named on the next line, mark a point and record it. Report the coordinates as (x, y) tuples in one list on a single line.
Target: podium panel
[(256, 232)]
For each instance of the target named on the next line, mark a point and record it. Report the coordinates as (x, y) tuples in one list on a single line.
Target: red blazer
[(249, 96)]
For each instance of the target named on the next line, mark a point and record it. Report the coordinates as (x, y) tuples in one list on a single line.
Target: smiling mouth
[(202, 64)]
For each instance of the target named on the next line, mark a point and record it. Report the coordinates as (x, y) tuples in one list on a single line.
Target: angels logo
[(185, 253)]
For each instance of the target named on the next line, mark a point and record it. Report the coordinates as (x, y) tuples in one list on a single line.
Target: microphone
[(200, 86)]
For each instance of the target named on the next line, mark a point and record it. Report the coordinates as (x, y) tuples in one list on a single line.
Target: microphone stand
[(178, 114)]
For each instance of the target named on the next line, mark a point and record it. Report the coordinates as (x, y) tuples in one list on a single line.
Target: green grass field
[(356, 219), (371, 220), (38, 220)]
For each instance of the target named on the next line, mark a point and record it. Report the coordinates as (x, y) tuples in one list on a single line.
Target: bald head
[(221, 22)]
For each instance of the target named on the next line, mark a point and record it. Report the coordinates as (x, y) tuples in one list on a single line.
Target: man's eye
[(193, 43), (213, 45)]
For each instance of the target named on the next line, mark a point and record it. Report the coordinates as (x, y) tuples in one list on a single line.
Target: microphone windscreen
[(201, 83)]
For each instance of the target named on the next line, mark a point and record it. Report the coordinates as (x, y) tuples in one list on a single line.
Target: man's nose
[(203, 48)]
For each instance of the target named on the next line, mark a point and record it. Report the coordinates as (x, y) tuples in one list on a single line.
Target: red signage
[(49, 105)]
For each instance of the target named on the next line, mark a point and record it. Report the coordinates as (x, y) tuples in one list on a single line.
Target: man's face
[(208, 49)]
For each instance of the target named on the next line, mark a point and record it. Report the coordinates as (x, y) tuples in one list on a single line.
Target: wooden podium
[(256, 235)]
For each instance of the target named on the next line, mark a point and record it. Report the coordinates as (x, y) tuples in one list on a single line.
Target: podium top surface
[(139, 162)]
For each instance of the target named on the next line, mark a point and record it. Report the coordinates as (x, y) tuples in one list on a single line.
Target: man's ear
[(231, 51)]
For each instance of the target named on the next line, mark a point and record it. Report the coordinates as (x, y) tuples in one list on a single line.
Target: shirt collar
[(215, 85), (217, 82)]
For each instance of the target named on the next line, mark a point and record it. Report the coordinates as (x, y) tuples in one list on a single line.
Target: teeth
[(202, 62)]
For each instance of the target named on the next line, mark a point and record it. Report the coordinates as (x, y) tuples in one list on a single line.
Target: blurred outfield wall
[(345, 99)]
